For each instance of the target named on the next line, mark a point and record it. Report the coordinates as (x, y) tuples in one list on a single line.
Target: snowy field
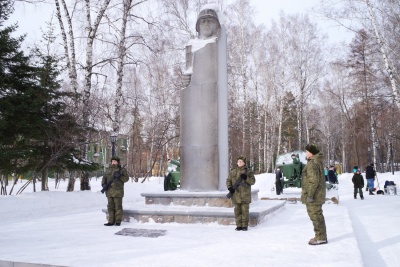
[(67, 229)]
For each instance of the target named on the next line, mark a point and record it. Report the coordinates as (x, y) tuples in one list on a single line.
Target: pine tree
[(17, 82), (36, 132)]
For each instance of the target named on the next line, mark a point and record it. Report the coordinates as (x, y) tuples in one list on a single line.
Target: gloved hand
[(117, 174), (231, 190), (310, 200), (243, 176)]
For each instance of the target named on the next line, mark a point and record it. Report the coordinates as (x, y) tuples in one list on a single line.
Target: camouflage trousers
[(317, 218), (114, 208), (242, 214)]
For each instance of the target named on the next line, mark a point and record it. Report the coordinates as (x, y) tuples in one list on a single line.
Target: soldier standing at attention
[(313, 193), (242, 194), (115, 192)]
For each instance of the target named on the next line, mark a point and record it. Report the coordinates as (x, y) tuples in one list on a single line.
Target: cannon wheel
[(167, 181)]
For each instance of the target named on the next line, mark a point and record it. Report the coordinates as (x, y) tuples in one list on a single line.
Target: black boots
[(111, 224), (370, 192)]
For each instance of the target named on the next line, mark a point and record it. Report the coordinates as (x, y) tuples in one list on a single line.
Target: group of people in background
[(331, 175), (358, 180)]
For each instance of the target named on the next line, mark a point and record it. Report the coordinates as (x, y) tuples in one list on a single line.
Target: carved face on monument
[(207, 24)]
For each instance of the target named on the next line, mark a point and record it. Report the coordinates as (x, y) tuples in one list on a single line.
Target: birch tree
[(239, 31), (305, 65), (68, 44)]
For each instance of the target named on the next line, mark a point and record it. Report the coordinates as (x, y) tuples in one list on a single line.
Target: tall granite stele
[(204, 107)]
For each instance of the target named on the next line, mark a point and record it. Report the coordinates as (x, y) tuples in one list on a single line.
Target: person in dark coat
[(313, 193), (370, 175), (241, 196), (358, 181), (332, 175), (115, 193), (278, 181)]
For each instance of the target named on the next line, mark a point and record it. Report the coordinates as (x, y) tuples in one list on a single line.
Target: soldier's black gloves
[(117, 174), (243, 176), (231, 190)]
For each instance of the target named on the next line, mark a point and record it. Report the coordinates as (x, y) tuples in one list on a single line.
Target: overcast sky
[(269, 9), (29, 17)]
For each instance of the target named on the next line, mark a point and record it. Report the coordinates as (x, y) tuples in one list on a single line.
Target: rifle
[(235, 185), (238, 181), (116, 175)]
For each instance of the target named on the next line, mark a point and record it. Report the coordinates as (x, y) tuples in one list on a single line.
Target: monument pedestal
[(196, 207), (185, 198)]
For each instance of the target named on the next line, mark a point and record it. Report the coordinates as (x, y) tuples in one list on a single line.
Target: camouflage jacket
[(117, 187), (243, 191), (313, 180)]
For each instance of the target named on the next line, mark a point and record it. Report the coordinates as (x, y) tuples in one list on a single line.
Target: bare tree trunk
[(299, 124), (127, 5), (383, 51), (15, 180), (70, 59), (34, 181), (344, 142), (307, 131), (374, 141), (280, 118), (71, 182), (45, 175), (259, 139), (3, 184), (91, 32), (265, 138)]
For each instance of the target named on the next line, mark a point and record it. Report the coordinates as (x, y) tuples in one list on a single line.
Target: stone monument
[(204, 106)]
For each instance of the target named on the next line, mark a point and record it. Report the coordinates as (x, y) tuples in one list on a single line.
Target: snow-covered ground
[(67, 229)]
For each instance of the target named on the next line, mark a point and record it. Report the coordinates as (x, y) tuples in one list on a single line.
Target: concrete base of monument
[(196, 207), (186, 198)]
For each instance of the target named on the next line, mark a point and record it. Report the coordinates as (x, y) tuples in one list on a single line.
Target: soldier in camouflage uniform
[(115, 192), (242, 194), (313, 193)]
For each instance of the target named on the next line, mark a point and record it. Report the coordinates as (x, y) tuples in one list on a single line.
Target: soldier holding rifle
[(113, 184), (239, 184)]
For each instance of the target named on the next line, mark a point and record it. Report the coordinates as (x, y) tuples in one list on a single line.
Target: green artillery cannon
[(291, 170), (172, 178)]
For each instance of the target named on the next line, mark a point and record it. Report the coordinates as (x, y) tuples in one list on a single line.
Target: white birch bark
[(374, 142), (127, 5), (344, 142), (69, 46), (280, 119), (265, 140), (91, 31), (383, 51)]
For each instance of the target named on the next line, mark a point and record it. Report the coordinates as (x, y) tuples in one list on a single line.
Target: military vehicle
[(172, 178), (291, 165)]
